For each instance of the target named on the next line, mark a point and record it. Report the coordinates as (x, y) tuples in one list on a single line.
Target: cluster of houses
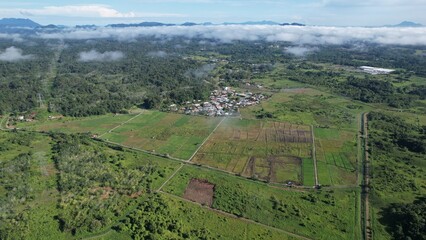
[(224, 102)]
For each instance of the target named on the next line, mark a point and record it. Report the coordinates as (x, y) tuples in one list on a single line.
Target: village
[(224, 102)]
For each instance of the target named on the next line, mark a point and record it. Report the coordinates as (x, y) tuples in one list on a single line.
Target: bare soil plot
[(200, 191)]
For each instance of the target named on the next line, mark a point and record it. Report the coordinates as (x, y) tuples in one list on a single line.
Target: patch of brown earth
[(200, 191)]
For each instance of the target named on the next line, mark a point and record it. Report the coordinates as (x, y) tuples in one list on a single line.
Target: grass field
[(317, 214), (336, 156), (166, 133), (309, 107), (95, 125), (265, 150), (308, 171)]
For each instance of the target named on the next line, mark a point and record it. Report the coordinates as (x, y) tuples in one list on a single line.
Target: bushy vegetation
[(398, 156), (19, 187), (398, 150), (15, 178), (94, 187), (406, 221)]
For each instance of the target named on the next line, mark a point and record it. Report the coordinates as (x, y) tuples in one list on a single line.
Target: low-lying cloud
[(95, 56), (13, 54), (311, 35), (201, 72), (15, 37), (299, 51), (159, 54)]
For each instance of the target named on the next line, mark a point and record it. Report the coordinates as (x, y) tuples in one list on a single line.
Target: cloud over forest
[(13, 54), (299, 50), (95, 56), (312, 35), (159, 54)]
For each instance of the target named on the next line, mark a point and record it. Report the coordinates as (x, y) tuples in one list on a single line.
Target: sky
[(310, 12)]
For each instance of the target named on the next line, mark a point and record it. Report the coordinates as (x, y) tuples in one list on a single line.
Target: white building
[(375, 71)]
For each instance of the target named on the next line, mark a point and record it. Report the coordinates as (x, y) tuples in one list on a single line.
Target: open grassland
[(336, 153), (326, 214), (96, 125), (309, 107), (173, 134), (266, 150), (272, 80)]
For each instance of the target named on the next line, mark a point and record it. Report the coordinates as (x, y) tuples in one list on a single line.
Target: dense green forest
[(154, 74)]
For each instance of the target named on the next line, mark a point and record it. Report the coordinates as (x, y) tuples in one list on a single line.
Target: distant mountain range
[(27, 26), (158, 24), (142, 24), (18, 23), (253, 23), (406, 24)]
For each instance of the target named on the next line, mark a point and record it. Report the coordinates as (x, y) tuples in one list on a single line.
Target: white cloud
[(14, 37), (95, 56), (299, 51), (13, 54), (310, 35)]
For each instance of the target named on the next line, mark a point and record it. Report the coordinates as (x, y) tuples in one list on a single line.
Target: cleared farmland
[(266, 150), (336, 156), (173, 134)]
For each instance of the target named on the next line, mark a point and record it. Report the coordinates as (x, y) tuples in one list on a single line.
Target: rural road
[(367, 229)]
